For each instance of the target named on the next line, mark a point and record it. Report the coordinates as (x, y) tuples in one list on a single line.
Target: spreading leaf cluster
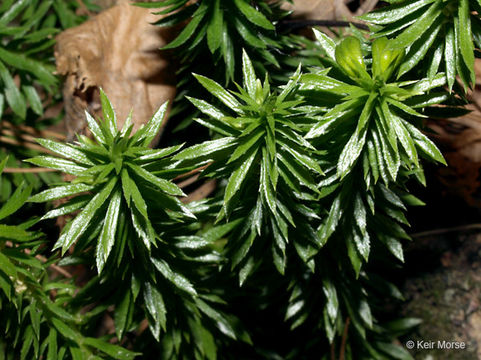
[(223, 27), (439, 32)]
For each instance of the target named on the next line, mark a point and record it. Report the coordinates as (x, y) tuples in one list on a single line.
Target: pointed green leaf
[(175, 278), (214, 29), (62, 165), (7, 266), (122, 314), (189, 30), (219, 92), (326, 43), (33, 98), (60, 192), (414, 32), (465, 35), (450, 54), (330, 225), (95, 128), (205, 148), (419, 49), (237, 178), (394, 12), (207, 108), (247, 144), (115, 351), (254, 16), (156, 308), (424, 144), (221, 321), (164, 185), (266, 187), (66, 151), (16, 201), (109, 229), (249, 74), (80, 223), (150, 131)]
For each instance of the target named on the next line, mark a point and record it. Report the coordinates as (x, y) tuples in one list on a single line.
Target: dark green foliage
[(224, 27), (36, 321), (337, 305), (27, 30), (28, 85), (370, 137)]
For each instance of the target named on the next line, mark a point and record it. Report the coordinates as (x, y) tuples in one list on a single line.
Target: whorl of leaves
[(224, 27), (435, 30), (270, 168)]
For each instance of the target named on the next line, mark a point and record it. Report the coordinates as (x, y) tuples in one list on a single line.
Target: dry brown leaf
[(460, 139), (327, 9), (117, 50)]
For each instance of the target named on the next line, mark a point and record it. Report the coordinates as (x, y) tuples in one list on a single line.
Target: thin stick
[(192, 172), (200, 193), (30, 130), (27, 170), (83, 9), (298, 24), (333, 352), (44, 260), (342, 350), (188, 181), (446, 230), (24, 137), (28, 145)]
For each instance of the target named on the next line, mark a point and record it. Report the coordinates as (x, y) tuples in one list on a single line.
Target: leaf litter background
[(118, 50)]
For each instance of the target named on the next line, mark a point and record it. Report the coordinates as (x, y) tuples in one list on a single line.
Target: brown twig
[(342, 350), (192, 172), (30, 130), (188, 181), (83, 9), (27, 170), (27, 145), (366, 6), (144, 324), (44, 260), (24, 137), (298, 24), (201, 193), (446, 230)]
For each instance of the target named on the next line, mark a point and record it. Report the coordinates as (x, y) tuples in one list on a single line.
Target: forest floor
[(441, 280)]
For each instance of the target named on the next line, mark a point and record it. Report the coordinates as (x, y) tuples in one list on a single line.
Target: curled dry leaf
[(328, 9), (117, 50), (460, 139)]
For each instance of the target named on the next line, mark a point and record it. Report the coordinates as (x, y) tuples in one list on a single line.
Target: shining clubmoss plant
[(380, 111), (223, 26), (36, 320), (372, 142), (270, 168), (137, 230), (115, 168)]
